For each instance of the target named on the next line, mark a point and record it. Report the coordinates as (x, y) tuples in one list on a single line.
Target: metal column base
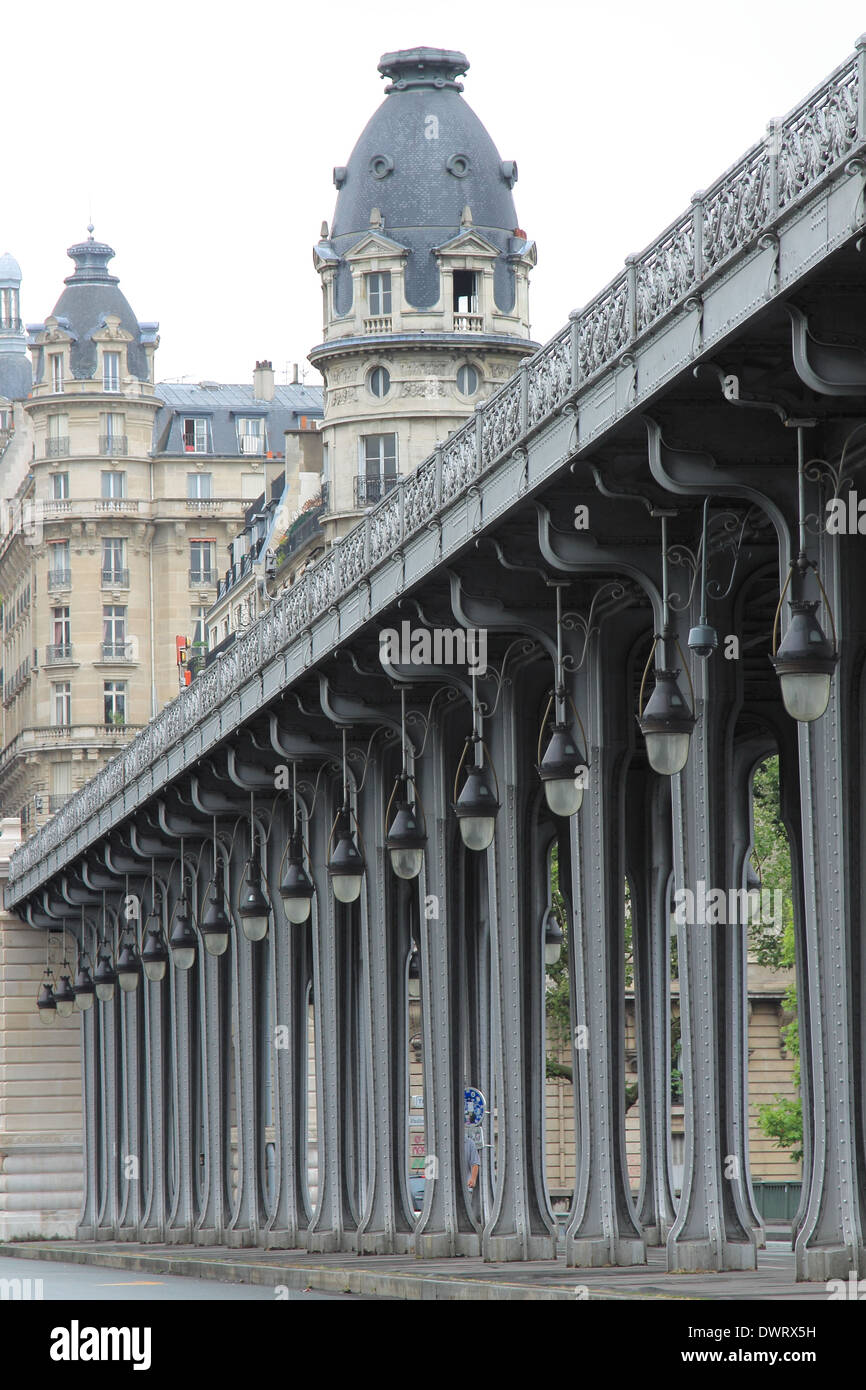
[(690, 1256), (591, 1253)]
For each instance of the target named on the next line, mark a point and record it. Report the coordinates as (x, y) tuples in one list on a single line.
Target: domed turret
[(15, 372), (91, 306), (425, 278), (421, 161)]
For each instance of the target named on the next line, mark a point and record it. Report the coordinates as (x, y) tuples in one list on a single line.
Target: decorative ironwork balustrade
[(729, 219)]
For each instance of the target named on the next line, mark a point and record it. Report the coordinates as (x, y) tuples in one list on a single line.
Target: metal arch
[(580, 554)]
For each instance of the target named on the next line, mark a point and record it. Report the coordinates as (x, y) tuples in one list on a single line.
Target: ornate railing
[(728, 219)]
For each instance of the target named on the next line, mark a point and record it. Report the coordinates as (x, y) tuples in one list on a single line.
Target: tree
[(783, 1120)]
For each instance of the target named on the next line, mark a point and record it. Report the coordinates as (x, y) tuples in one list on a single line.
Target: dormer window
[(111, 371), (55, 364), (195, 436), (251, 435), (379, 293), (465, 292)]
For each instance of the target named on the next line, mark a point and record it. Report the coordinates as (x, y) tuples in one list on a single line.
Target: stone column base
[(692, 1256), (822, 1263), (440, 1245), (593, 1252), (514, 1247), (241, 1239)]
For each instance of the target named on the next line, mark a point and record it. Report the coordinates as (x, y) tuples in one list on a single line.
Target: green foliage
[(783, 1119), (772, 852), (557, 999)]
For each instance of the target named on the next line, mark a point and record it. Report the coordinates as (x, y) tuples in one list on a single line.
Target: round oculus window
[(379, 381), (467, 380), (381, 165)]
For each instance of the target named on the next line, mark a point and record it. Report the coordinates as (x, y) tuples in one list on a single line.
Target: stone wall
[(40, 1086)]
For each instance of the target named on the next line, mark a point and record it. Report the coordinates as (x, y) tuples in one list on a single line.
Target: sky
[(200, 139)]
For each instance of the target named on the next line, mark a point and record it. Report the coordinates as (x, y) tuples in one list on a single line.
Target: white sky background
[(202, 136)]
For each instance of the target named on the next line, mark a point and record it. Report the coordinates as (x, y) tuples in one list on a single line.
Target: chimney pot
[(263, 381)]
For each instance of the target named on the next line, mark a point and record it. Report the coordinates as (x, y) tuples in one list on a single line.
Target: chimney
[(263, 381), (294, 373)]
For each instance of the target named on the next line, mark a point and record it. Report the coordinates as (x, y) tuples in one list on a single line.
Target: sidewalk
[(404, 1277)]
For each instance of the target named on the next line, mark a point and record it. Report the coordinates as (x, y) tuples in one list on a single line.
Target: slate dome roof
[(422, 157), (91, 293)]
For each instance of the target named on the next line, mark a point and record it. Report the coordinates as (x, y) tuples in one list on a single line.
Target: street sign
[(473, 1106)]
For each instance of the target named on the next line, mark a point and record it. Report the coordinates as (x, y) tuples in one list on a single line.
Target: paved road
[(85, 1283)]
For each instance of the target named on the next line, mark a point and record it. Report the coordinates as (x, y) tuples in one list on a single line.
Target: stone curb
[(326, 1279)]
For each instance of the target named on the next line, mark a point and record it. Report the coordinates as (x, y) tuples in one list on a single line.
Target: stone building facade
[(115, 530)]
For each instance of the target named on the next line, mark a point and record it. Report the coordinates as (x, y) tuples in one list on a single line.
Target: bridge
[(635, 522)]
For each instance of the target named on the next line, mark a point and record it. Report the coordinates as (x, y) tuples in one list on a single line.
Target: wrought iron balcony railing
[(813, 145), (115, 579), (113, 445), (117, 651), (59, 579), (58, 652), (58, 447), (201, 576), (369, 490)]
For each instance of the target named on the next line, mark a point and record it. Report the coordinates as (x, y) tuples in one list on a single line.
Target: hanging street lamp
[(478, 803), (346, 864), (46, 1002), (406, 836), (563, 769), (666, 721), (806, 659)]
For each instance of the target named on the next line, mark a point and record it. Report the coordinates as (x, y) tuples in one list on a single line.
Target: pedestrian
[(471, 1159)]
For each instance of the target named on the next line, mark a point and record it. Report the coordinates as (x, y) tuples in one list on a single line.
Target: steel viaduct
[(663, 463)]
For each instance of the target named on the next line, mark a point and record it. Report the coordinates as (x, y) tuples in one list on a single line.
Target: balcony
[(326, 495), (56, 506), (380, 323), (115, 579), (58, 653), (468, 323), (57, 448), (300, 533), (117, 651), (372, 489), (56, 800), (251, 444), (117, 504), (204, 504), (59, 579), (113, 445), (199, 577)]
